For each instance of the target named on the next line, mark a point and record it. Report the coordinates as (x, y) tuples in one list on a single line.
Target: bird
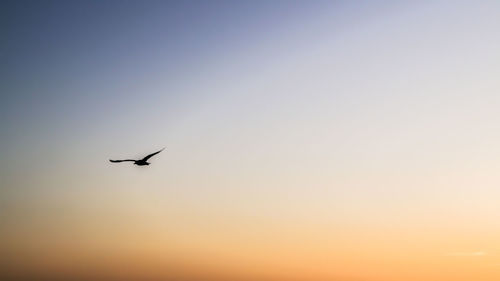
[(140, 162)]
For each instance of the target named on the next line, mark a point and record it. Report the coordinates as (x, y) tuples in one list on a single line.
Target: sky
[(305, 140)]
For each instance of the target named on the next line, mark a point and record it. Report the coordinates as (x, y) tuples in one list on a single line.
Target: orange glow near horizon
[(264, 250)]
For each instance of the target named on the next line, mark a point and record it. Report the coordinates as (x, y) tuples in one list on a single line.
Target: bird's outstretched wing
[(118, 161), (151, 155)]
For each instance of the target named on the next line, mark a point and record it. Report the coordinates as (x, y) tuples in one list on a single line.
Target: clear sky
[(305, 140)]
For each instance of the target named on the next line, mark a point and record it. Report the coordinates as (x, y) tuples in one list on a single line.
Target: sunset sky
[(305, 140)]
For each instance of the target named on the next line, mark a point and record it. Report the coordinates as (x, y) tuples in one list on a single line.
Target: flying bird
[(141, 162)]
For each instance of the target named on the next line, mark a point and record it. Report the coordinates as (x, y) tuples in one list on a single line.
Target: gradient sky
[(306, 140)]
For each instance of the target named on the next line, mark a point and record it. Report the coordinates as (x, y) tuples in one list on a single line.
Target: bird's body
[(140, 162)]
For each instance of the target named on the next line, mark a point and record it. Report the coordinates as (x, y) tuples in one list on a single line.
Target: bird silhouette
[(140, 162)]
